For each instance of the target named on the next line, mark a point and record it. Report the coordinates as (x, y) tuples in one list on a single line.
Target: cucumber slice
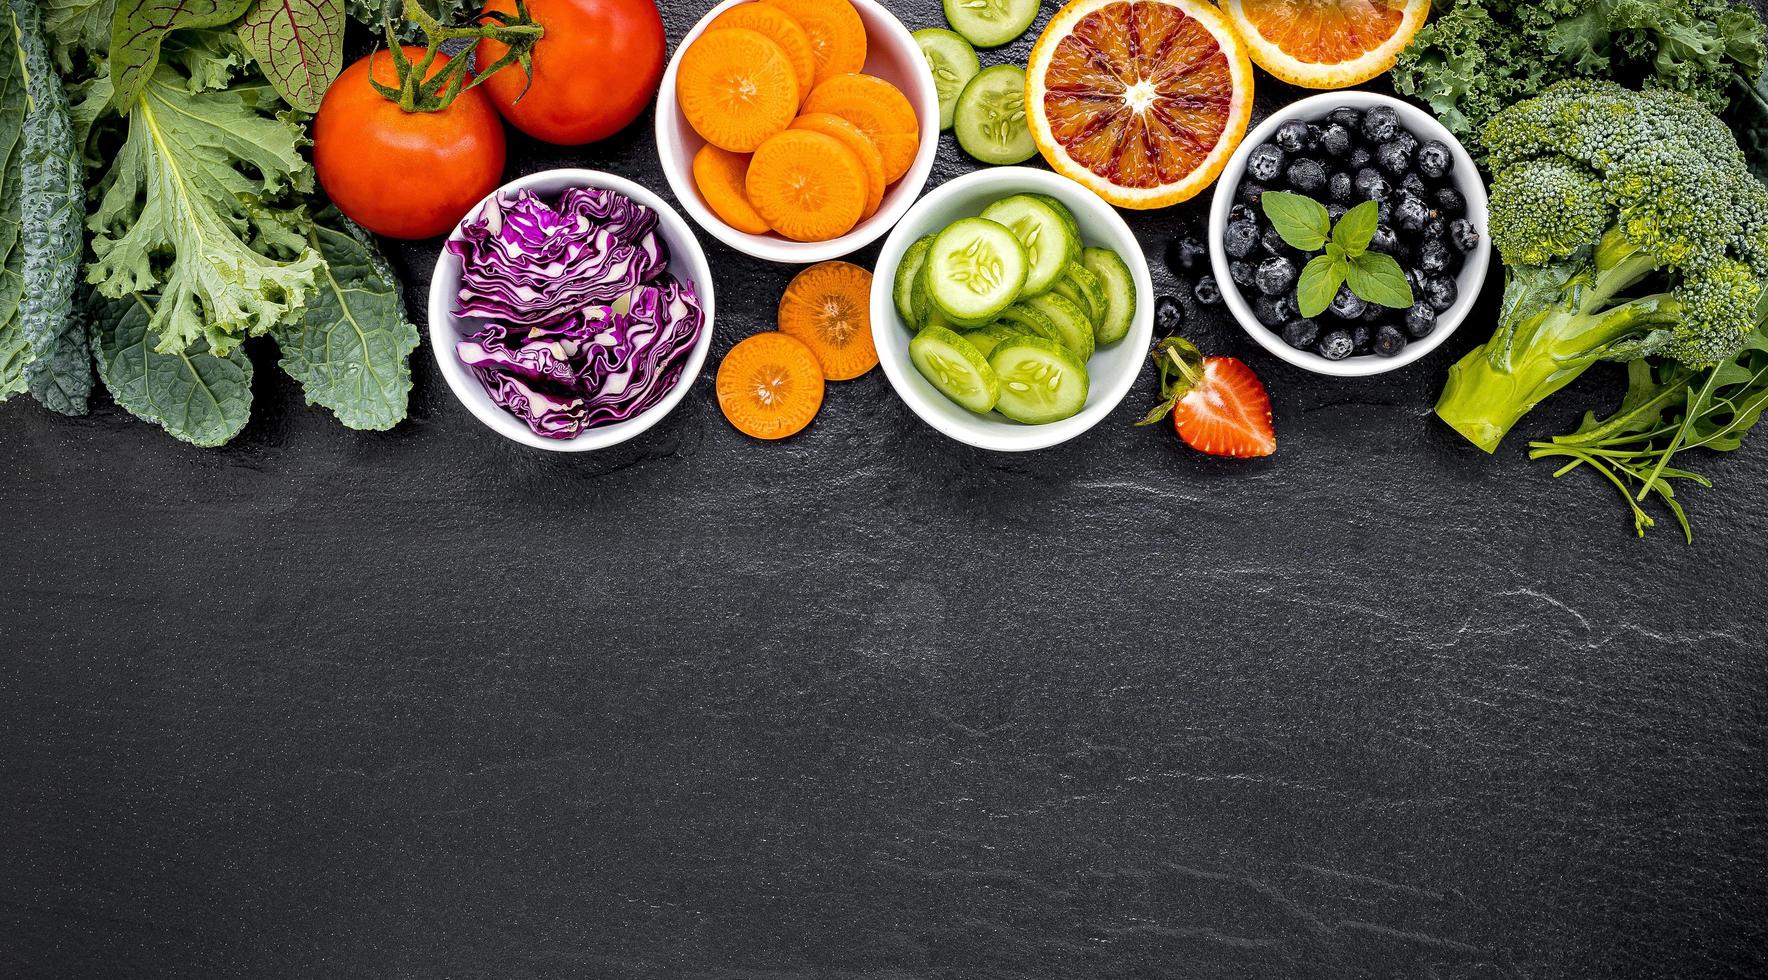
[(990, 23), (1022, 319), (1072, 323), (1087, 285), (1039, 381), (1120, 294), (950, 364), (990, 117), (953, 63), (975, 270), (907, 271), (986, 339), (1049, 245), (1061, 209)]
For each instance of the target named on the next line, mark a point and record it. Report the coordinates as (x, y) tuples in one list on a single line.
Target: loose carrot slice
[(777, 26), (837, 35), (736, 88), (720, 175), (770, 386), (857, 141), (880, 110), (828, 306), (807, 186)]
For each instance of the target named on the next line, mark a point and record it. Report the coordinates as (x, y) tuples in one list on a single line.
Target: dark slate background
[(868, 703)]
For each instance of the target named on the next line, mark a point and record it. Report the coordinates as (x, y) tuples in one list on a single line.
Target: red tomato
[(595, 69), (404, 174)]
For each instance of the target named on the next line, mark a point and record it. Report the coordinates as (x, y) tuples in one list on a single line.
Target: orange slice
[(859, 143), (770, 385), (1143, 102), (779, 27), (1326, 43)]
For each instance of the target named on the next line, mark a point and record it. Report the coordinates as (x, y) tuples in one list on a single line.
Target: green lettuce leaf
[(195, 396), (14, 350), (139, 26), (299, 46), (77, 26), (350, 349), (187, 207)]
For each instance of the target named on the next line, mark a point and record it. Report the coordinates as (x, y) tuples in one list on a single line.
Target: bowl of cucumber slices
[(1012, 309)]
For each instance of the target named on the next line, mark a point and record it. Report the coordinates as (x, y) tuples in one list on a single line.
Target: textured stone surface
[(869, 703)]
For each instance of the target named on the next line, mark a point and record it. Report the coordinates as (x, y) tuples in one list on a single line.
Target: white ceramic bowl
[(1111, 371), (687, 261), (892, 55), (1472, 276)]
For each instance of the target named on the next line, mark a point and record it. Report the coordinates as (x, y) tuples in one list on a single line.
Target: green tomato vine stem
[(418, 90)]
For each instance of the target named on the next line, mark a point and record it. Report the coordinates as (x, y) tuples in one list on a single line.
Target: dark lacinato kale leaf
[(195, 396), (14, 350)]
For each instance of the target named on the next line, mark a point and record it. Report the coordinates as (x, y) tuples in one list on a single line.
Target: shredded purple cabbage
[(586, 327)]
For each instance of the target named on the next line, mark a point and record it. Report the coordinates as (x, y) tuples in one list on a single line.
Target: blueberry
[(1301, 334), (1393, 158), (1384, 240), (1370, 185), (1433, 258), (1389, 341), (1265, 162), (1168, 315), (1207, 292), (1185, 254), (1276, 275), (1435, 160), (1307, 175), (1335, 211), (1414, 185), (1347, 305), (1268, 310), (1340, 187), (1362, 335), (1440, 292), (1314, 133), (1415, 279), (1335, 140), (1360, 157), (1436, 229), (1384, 211), (1420, 319), (1371, 313), (1242, 212), (1406, 140), (1463, 235), (1244, 274), (1410, 214), (1345, 116), (1449, 201), (1240, 239), (1273, 243), (1292, 136), (1380, 124), (1251, 192), (1336, 345)]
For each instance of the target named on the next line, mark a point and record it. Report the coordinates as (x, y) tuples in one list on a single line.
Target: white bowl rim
[(1000, 435), (684, 248), (898, 199), (1469, 283)]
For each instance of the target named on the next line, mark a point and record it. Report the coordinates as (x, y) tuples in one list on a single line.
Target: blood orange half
[(1143, 101), (1326, 43)]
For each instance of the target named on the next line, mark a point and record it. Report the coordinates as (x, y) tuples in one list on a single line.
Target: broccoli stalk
[(1555, 322)]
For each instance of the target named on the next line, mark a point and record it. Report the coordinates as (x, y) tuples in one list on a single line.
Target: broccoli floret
[(1629, 226)]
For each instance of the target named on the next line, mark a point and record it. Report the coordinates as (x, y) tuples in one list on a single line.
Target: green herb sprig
[(1305, 224)]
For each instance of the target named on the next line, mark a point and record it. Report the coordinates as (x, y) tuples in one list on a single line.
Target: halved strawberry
[(1217, 403)]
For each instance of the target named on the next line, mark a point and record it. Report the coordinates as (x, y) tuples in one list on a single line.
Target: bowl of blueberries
[(1340, 150)]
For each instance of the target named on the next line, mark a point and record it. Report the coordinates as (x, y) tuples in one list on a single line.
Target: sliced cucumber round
[(1022, 319), (990, 23), (1049, 244), (1085, 285), (953, 63), (952, 365), (1039, 381), (1119, 290), (986, 339), (1074, 327), (990, 117), (1061, 209), (907, 271), (975, 270)]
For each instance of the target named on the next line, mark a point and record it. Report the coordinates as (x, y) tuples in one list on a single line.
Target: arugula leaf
[(178, 216), (14, 350), (138, 27), (1319, 282), (1300, 220), (350, 349), (195, 396), (53, 204), (300, 46), (1378, 278)]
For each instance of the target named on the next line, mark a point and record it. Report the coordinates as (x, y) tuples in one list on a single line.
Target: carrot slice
[(857, 141), (837, 35), (736, 88), (770, 386), (807, 186), (720, 175), (880, 110), (828, 306), (777, 26)]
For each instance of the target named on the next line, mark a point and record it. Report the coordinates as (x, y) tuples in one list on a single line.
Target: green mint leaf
[(138, 27), (1302, 221), (1357, 228), (1377, 278), (1320, 280), (1336, 252), (195, 396), (300, 46)]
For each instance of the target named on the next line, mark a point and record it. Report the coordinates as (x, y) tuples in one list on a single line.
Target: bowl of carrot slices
[(798, 131)]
